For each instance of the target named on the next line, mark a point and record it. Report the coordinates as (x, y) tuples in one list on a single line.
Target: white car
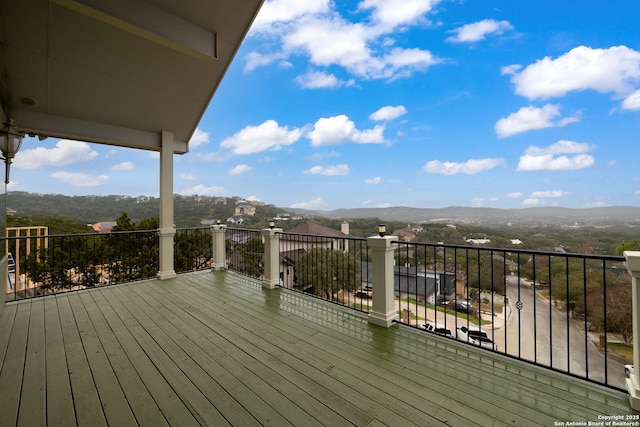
[(475, 335), (438, 329)]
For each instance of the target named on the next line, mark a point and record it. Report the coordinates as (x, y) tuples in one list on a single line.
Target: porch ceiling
[(116, 72)]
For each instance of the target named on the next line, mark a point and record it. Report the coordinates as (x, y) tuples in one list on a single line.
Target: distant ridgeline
[(190, 211)]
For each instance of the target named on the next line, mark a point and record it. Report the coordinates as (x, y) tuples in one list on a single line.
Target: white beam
[(154, 24), (82, 130)]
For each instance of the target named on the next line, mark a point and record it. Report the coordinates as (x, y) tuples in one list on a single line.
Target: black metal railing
[(193, 249), (244, 250), (46, 265), (51, 264), (335, 269), (567, 312)]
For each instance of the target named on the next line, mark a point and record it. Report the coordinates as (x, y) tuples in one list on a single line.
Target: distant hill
[(533, 216), (190, 210)]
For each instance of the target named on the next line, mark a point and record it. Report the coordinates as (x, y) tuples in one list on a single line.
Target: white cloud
[(537, 198), (65, 153), (385, 205), (388, 14), (124, 166), (532, 202), (313, 204), (319, 79), (256, 60), (203, 190), (515, 195), (363, 49), (632, 102), (469, 167), (240, 169), (253, 199), (478, 30), (255, 139), (478, 201), (614, 70), (510, 69), (198, 138), (376, 180), (80, 179), (547, 194), (276, 12), (335, 170), (388, 113), (339, 129), (563, 155), (532, 118)]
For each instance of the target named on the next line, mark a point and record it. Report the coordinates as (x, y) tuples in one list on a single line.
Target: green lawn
[(621, 350)]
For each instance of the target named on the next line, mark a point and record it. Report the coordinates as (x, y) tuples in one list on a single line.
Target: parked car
[(463, 307), (475, 335), (628, 370), (438, 329)]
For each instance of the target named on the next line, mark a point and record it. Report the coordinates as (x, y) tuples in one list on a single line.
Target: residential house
[(245, 209), (312, 235), (417, 283), (103, 227)]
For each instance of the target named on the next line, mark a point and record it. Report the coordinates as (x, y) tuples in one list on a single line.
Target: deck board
[(165, 399), (60, 409), (87, 405), (216, 349), (237, 373), (33, 392), (13, 364), (139, 403), (317, 347)]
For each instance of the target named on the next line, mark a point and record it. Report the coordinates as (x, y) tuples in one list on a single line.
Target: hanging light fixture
[(10, 142)]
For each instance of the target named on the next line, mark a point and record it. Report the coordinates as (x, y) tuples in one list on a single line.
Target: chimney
[(344, 227)]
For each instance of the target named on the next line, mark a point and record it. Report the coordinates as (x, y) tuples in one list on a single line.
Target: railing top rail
[(34, 236), (204, 227), (257, 230), (615, 258), (322, 236)]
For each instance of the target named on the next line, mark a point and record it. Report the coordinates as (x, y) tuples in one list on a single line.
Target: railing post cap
[(381, 241), (272, 231), (632, 261)]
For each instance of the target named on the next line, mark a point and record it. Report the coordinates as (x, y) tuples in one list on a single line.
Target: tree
[(328, 271), (632, 245), (247, 258)]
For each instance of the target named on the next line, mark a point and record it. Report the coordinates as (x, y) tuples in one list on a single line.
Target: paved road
[(514, 330), (552, 331)]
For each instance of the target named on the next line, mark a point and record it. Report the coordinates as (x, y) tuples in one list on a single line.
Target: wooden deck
[(216, 349)]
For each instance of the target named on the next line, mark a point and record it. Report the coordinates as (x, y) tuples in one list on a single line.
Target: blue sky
[(424, 103)]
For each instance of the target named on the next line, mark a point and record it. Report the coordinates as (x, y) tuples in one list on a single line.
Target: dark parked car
[(463, 307)]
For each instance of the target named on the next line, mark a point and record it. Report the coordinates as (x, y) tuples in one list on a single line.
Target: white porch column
[(219, 249), (633, 382), (271, 239), (382, 289), (167, 229)]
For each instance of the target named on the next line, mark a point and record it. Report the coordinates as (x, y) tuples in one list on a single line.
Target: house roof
[(317, 229), (117, 72)]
